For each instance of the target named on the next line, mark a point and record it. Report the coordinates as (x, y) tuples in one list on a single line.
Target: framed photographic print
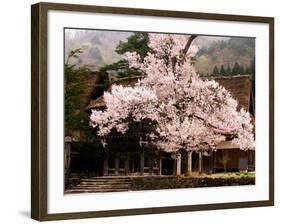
[(139, 111)]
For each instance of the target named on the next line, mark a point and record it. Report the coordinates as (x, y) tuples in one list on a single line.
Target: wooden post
[(159, 163), (174, 166), (251, 160), (212, 161), (67, 155), (105, 163), (215, 161), (127, 164), (200, 163), (142, 161), (151, 165), (133, 164), (189, 155), (178, 169), (248, 160), (116, 164)]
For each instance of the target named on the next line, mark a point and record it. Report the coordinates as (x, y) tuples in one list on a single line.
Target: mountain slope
[(226, 53)]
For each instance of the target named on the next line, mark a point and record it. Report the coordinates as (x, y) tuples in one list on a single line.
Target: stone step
[(98, 180), (95, 191), (101, 188), (102, 184), (106, 179), (105, 182), (109, 177)]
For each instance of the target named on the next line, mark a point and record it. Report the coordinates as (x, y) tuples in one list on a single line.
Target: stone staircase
[(102, 184)]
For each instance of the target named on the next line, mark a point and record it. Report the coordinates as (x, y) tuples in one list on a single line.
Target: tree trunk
[(188, 44)]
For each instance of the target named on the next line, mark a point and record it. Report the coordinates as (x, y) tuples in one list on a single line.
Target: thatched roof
[(89, 80), (99, 103), (239, 86)]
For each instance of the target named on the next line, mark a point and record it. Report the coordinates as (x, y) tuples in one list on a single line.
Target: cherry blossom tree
[(190, 113)]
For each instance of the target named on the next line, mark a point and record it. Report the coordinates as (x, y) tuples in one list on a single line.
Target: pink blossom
[(190, 113)]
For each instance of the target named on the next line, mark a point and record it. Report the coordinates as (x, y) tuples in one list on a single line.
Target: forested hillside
[(98, 46), (225, 55), (104, 49)]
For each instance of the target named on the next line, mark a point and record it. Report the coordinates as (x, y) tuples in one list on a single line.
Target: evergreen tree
[(74, 88), (235, 69), (241, 70), (228, 70), (248, 70), (222, 71), (138, 42), (253, 70), (216, 71)]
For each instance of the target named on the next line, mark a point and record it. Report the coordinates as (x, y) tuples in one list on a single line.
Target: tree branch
[(185, 50), (188, 44)]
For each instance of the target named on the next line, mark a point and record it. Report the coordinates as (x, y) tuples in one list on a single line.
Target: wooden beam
[(215, 161), (151, 165), (67, 157), (105, 163), (127, 164), (189, 155), (159, 163), (116, 164), (178, 169), (212, 161), (200, 162), (133, 165), (174, 167), (142, 161)]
